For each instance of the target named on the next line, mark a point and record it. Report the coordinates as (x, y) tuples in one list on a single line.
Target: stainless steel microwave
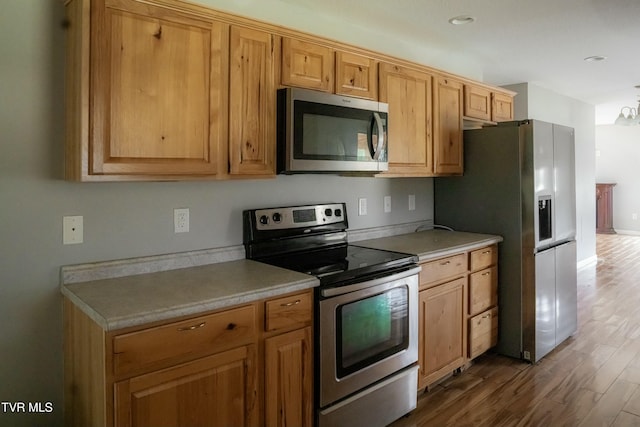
[(321, 132)]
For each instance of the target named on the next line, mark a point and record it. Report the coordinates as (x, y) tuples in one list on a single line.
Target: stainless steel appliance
[(322, 132), (519, 182), (366, 311)]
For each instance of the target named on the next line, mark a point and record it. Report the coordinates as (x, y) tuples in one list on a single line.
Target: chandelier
[(632, 117)]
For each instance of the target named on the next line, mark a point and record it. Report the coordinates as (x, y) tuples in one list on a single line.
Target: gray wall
[(617, 159), (534, 102), (121, 220)]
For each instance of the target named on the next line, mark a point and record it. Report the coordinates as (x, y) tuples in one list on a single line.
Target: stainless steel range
[(366, 311)]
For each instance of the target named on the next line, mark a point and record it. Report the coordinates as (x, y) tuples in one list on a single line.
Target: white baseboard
[(588, 261), (629, 232)]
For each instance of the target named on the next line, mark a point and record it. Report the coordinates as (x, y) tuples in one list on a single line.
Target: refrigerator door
[(566, 291), (543, 184), (545, 303), (565, 187)]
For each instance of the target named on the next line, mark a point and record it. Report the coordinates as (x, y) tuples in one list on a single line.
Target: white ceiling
[(542, 42)]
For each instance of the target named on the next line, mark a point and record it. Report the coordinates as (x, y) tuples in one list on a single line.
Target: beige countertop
[(432, 244), (136, 299), (121, 302)]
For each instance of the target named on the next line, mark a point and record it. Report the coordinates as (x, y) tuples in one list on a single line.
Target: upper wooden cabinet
[(477, 102), (312, 66), (252, 94), (409, 95), (356, 75), (501, 107), (307, 65), (153, 101), (447, 140)]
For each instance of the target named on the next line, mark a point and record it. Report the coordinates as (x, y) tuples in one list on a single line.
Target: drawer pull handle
[(486, 252), (487, 316), (488, 273), (191, 328), (231, 326), (445, 263), (289, 304)]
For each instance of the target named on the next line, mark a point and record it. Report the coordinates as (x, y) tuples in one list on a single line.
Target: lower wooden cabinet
[(250, 365), (288, 379), (458, 313), (211, 391), (442, 330)]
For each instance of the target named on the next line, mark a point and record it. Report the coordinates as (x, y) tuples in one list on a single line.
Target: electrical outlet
[(181, 220), (72, 230), (362, 206), (412, 202), (387, 204)]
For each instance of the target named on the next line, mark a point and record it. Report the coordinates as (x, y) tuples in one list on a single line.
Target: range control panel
[(299, 216)]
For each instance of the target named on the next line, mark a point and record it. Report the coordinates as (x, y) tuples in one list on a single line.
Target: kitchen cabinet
[(307, 65), (289, 361), (214, 390), (458, 314), (153, 102), (447, 139), (252, 95), (501, 107), (483, 300), (442, 324), (356, 75), (248, 365), (477, 102), (409, 95), (313, 66)]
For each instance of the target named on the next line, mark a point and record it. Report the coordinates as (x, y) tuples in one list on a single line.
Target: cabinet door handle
[(445, 263), (486, 273), (487, 316), (191, 328), (289, 304), (486, 252)]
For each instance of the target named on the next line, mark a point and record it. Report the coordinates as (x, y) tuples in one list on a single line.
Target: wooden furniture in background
[(604, 208)]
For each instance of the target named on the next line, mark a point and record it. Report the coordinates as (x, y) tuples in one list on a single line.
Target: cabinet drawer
[(289, 311), (483, 332), (482, 258), (152, 347), (483, 290), (435, 271)]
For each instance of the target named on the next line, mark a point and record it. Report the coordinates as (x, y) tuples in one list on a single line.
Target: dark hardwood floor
[(592, 379)]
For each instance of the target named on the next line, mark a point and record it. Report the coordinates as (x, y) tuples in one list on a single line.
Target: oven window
[(371, 329)]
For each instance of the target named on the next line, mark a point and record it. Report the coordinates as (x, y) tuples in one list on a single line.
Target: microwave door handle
[(378, 121)]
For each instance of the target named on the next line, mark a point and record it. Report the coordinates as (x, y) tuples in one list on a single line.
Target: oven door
[(367, 332)]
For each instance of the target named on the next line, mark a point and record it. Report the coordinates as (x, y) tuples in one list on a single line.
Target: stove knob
[(277, 217), (327, 212), (264, 220), (338, 212)]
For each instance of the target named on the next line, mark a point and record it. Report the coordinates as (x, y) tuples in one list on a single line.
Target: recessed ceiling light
[(461, 20), (595, 58)]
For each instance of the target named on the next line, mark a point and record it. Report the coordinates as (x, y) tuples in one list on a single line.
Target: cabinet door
[(252, 95), (288, 379), (447, 141), (442, 330), (307, 65), (218, 390), (356, 75), (477, 102), (408, 93), (158, 91), (501, 107)]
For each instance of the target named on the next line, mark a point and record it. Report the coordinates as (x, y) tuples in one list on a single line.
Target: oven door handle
[(340, 290)]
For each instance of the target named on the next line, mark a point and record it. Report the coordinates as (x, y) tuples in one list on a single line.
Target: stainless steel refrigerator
[(519, 182)]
